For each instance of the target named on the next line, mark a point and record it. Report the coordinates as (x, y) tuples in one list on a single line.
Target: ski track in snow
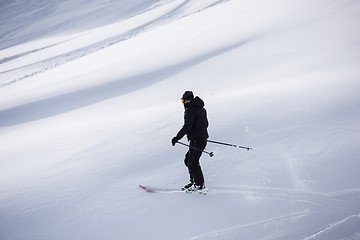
[(340, 229), (345, 226), (316, 204), (233, 232), (171, 15), (352, 222)]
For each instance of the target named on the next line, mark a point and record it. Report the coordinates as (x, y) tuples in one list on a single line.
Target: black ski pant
[(192, 161)]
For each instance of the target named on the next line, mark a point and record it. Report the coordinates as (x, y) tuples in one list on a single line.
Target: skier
[(195, 127)]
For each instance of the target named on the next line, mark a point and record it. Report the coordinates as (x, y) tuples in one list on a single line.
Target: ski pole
[(210, 153), (228, 144)]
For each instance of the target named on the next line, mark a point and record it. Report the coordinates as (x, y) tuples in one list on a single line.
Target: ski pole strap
[(228, 144), (210, 153)]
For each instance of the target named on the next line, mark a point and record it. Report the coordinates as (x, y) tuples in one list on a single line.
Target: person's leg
[(194, 161), (186, 162)]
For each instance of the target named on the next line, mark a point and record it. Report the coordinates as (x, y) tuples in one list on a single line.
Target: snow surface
[(90, 99)]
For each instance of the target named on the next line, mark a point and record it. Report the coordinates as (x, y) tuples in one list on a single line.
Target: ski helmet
[(188, 95)]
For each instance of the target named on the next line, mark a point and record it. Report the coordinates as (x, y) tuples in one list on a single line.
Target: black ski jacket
[(195, 121)]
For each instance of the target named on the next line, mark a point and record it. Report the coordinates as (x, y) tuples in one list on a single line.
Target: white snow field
[(90, 100)]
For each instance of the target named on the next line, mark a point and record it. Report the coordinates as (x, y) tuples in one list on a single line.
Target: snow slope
[(89, 101)]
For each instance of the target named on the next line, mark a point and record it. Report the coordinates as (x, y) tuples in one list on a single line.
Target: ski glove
[(174, 140)]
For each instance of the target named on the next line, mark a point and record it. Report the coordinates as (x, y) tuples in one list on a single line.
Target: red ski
[(169, 190), (161, 190)]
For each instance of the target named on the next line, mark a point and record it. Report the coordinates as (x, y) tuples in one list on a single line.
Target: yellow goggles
[(182, 100)]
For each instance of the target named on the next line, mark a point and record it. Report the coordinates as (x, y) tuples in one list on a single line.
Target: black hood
[(196, 102)]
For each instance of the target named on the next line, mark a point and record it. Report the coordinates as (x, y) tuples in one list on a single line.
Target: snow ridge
[(172, 13)]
